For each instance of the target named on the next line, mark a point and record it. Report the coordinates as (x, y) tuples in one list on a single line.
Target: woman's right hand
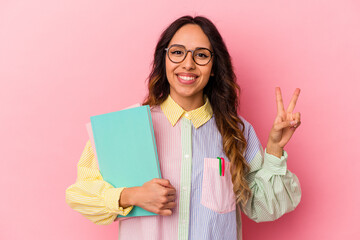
[(157, 196)]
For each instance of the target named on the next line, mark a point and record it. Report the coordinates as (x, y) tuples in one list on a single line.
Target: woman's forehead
[(191, 36)]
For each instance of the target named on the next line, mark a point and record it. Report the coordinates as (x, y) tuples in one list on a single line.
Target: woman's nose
[(188, 62)]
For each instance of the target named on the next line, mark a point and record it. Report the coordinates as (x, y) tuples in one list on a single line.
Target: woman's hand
[(157, 196), (284, 125)]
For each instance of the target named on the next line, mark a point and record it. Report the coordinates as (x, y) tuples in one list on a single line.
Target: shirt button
[(184, 221), (184, 188), (187, 156), (186, 115)]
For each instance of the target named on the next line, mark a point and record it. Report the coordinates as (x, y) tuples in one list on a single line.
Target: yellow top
[(198, 116)]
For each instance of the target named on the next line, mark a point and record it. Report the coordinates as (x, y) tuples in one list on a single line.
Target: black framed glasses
[(177, 53)]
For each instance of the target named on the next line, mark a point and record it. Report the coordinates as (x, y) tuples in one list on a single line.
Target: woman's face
[(187, 79)]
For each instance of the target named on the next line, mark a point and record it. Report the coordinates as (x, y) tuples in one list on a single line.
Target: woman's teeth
[(187, 78)]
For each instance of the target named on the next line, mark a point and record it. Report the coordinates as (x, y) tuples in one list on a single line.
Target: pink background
[(62, 61)]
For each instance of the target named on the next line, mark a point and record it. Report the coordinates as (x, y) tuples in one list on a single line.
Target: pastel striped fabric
[(94, 198), (188, 149)]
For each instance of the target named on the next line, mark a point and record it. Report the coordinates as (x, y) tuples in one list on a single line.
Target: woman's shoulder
[(247, 125), (251, 138), (155, 109)]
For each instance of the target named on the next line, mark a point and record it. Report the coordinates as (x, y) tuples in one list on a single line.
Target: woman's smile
[(187, 78)]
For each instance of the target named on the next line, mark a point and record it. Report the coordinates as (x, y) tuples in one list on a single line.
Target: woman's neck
[(189, 103)]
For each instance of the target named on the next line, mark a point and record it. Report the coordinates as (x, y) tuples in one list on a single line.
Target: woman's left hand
[(285, 124)]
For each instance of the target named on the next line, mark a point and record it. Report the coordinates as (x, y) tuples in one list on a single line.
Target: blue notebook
[(126, 149)]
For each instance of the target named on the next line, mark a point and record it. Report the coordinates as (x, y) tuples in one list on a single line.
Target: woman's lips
[(186, 78)]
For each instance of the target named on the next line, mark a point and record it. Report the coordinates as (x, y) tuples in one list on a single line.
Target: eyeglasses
[(177, 53)]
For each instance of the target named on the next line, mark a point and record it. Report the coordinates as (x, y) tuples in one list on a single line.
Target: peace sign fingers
[(279, 102), (284, 125), (292, 104)]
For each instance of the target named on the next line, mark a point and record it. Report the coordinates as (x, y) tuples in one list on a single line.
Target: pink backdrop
[(62, 61)]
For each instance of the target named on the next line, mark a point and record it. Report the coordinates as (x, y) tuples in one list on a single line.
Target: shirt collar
[(174, 112)]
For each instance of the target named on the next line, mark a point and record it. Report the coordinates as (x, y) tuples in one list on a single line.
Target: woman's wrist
[(275, 150), (128, 197)]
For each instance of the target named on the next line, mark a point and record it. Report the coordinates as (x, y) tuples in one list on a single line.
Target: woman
[(194, 99)]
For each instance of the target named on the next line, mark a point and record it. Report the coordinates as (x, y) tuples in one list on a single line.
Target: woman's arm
[(100, 202), (90, 195), (275, 190)]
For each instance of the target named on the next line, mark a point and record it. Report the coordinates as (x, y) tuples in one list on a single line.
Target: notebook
[(90, 132), (126, 149)]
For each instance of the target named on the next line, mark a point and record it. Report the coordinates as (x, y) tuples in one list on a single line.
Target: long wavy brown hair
[(222, 91)]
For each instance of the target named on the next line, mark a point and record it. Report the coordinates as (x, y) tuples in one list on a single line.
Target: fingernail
[(292, 122)]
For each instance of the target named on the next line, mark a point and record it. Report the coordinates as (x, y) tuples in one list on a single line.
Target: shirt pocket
[(217, 191)]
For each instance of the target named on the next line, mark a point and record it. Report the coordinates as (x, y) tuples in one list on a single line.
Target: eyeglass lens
[(178, 53)]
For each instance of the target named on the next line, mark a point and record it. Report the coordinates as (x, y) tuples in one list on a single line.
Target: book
[(126, 149), (90, 132)]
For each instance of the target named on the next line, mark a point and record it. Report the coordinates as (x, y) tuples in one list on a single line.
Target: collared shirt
[(188, 145)]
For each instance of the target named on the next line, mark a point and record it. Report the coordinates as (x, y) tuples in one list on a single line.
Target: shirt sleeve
[(275, 190), (90, 195)]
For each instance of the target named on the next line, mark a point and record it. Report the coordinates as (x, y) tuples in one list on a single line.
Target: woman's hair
[(222, 91)]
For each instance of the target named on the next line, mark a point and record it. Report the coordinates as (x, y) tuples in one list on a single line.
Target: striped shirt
[(188, 145)]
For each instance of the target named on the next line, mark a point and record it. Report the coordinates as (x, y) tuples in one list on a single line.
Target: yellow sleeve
[(91, 196)]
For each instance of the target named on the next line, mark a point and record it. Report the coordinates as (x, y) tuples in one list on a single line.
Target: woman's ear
[(212, 74)]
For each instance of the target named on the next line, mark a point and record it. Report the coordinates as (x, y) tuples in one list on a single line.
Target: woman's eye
[(177, 52), (202, 55)]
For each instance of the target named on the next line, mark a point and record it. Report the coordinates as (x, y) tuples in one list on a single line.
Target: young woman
[(193, 96)]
